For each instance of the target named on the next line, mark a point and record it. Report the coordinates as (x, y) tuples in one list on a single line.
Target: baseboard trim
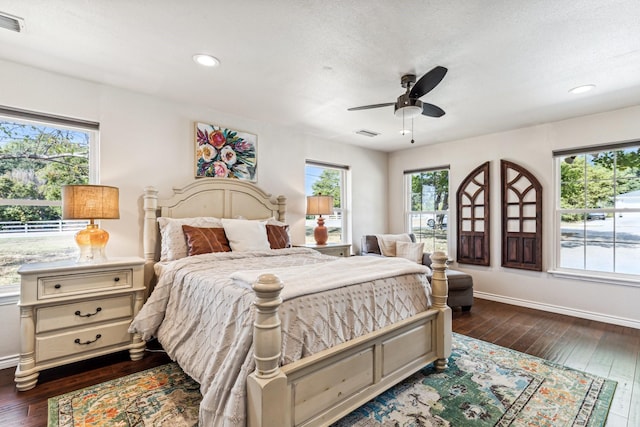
[(599, 317), (9, 361)]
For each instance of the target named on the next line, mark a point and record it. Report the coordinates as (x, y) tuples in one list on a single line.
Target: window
[(39, 154), (328, 180), (598, 210), (427, 207)]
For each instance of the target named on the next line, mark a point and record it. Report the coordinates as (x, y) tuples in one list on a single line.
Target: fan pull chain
[(412, 141)]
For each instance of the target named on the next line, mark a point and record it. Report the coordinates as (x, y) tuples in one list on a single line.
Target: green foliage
[(328, 184), (35, 161), (622, 159), (591, 181), (430, 191)]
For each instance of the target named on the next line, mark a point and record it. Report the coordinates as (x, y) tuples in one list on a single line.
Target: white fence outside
[(14, 227)]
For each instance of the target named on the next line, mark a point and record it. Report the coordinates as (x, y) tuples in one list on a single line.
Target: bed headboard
[(217, 197)]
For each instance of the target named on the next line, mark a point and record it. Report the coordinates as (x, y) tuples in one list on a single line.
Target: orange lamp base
[(92, 242), (320, 233)]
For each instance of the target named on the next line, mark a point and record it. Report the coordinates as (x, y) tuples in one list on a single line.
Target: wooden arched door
[(472, 200), (521, 218)]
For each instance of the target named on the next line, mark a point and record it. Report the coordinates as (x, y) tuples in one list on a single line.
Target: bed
[(285, 356)]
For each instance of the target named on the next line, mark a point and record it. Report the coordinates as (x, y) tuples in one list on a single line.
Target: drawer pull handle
[(116, 279), (57, 286), (79, 314), (77, 340)]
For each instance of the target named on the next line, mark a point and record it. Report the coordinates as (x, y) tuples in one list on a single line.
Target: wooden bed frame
[(319, 389)]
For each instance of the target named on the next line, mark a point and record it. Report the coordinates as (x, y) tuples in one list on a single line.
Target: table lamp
[(90, 202), (320, 205)]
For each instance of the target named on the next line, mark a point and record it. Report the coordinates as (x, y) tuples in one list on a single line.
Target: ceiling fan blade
[(427, 82), (431, 110), (367, 107)]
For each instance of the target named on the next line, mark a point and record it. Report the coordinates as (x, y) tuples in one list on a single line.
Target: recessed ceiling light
[(582, 89), (405, 132), (206, 60)]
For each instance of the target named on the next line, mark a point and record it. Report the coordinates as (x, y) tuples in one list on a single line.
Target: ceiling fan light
[(408, 112)]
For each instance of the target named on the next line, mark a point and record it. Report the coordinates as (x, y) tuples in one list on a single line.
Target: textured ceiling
[(301, 64)]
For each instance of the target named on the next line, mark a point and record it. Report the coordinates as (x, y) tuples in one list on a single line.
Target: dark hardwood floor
[(607, 350)]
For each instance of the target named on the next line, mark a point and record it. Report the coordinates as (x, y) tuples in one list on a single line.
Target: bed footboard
[(322, 388)]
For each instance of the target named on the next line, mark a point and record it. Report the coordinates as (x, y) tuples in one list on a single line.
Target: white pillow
[(269, 221), (173, 244), (246, 235), (411, 251), (387, 242)]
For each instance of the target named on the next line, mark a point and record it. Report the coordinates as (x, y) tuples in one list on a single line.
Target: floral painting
[(225, 153)]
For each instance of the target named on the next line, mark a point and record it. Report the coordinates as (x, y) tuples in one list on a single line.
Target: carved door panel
[(521, 218), (473, 218)]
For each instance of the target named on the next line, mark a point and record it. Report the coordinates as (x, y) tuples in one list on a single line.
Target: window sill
[(620, 281), (9, 294)]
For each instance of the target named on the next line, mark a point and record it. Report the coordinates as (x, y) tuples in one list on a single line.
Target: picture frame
[(221, 152)]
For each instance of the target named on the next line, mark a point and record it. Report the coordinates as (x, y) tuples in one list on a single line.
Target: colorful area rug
[(161, 396), (488, 385), (485, 385)]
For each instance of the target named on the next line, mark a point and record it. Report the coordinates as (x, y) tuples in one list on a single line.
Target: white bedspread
[(204, 319), (306, 279)]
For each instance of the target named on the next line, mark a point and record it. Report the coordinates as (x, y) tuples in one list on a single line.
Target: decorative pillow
[(411, 251), (273, 221), (205, 240), (278, 236), (387, 242), (246, 235), (173, 242)]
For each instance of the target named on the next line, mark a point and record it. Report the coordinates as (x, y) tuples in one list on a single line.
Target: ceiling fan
[(408, 104)]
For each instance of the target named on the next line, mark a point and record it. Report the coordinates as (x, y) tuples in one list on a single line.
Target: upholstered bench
[(460, 283)]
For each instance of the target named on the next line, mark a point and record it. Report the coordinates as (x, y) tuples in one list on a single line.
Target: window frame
[(345, 197), (407, 204), (557, 270), (31, 118)]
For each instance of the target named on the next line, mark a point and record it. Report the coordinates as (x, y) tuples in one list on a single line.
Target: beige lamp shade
[(90, 202), (319, 205)]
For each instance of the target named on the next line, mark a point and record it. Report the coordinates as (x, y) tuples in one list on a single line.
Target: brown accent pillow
[(278, 236), (205, 240)]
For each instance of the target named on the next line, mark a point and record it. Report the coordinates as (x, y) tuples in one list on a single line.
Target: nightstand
[(333, 249), (71, 312)]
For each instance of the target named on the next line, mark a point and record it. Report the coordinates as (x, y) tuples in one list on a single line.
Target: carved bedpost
[(150, 234), (439, 292), (282, 208), (267, 391)]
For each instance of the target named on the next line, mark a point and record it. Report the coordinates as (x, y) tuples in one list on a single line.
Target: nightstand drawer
[(331, 249), (50, 287), (81, 341), (83, 313), (340, 251)]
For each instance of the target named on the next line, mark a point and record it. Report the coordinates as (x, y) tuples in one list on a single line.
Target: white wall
[(531, 148), (149, 141)]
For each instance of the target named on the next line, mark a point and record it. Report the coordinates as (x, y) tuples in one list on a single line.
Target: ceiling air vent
[(11, 22), (368, 133)]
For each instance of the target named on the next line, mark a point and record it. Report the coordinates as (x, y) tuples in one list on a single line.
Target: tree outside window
[(428, 208), (36, 159), (599, 210), (327, 181)]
